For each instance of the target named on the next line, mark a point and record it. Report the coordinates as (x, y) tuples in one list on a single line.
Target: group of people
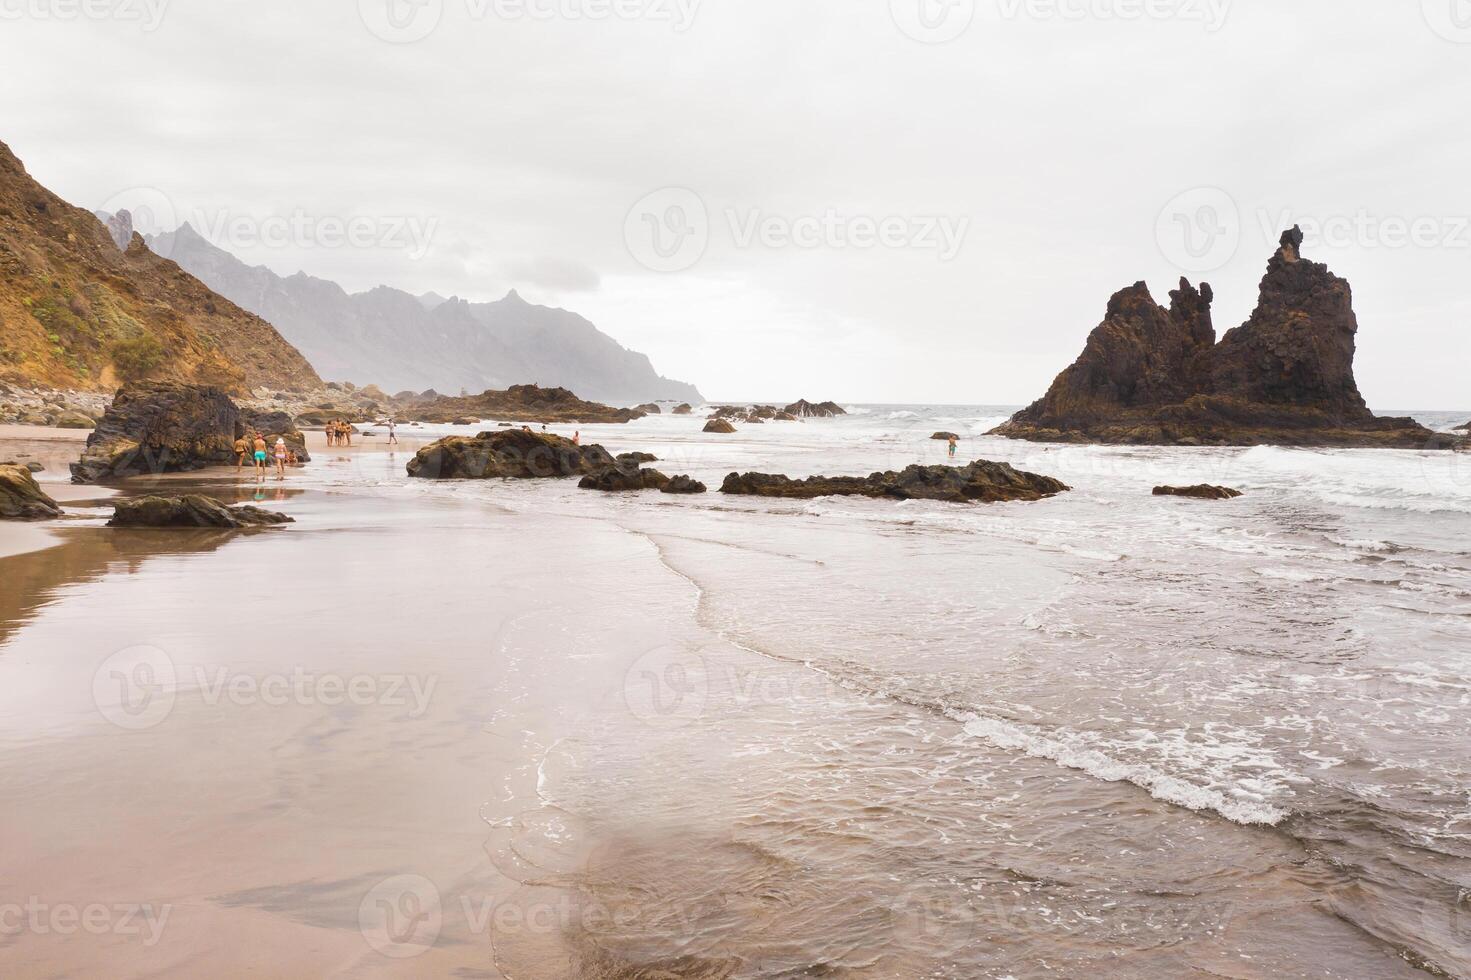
[(254, 446), (339, 433)]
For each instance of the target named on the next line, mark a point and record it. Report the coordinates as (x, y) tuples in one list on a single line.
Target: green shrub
[(138, 357)]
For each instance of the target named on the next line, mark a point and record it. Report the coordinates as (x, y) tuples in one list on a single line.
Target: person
[(953, 443), (392, 425), (260, 458), (577, 438), (240, 448), (280, 458), (330, 431), (347, 432)]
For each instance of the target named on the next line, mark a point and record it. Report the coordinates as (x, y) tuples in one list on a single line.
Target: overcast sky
[(916, 200)]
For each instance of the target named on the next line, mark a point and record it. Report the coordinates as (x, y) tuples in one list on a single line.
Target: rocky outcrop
[(685, 409), (1150, 375), (1202, 492), (634, 459), (275, 425), (21, 497), (684, 484), (507, 454), (803, 409), (160, 427), (719, 427), (983, 481), (650, 409), (624, 478), (520, 403), (945, 436), (191, 510)]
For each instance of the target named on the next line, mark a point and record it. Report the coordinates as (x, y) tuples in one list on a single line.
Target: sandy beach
[(525, 731)]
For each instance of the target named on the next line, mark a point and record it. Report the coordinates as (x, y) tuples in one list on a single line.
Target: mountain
[(78, 312), (399, 341), (1151, 375)]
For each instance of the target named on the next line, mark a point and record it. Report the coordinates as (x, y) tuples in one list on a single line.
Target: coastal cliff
[(1156, 376)]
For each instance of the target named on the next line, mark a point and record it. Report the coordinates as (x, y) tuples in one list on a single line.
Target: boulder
[(1202, 492), (21, 497), (945, 436), (158, 427), (621, 479), (519, 403), (466, 420), (650, 409), (684, 410), (272, 425), (191, 510), (1151, 375), (635, 459), (683, 484), (1462, 428), (719, 426), (74, 420), (804, 409), (785, 417), (982, 480), (507, 454)]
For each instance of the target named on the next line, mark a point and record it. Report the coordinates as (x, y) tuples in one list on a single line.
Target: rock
[(1462, 428), (158, 427), (720, 426), (683, 484), (120, 227), (466, 420), (621, 479), (1202, 492), (521, 403), (634, 459), (21, 497), (191, 510), (35, 418), (945, 436), (74, 420), (982, 480), (507, 453), (273, 424), (786, 417), (1150, 375), (35, 467), (650, 409), (684, 410), (804, 409)]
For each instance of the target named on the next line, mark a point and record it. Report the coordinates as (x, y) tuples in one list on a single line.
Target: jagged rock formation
[(275, 425), (21, 497), (1150, 375), (508, 454), (520, 403), (983, 481), (401, 341), (1203, 491), (803, 409), (78, 312), (190, 510), (160, 427)]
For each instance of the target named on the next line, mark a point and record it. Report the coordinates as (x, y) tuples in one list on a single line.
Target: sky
[(863, 200)]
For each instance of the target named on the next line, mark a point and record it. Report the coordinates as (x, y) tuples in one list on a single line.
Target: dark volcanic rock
[(945, 436), (190, 510), (507, 453), (272, 425), (982, 480), (519, 403), (158, 427), (719, 426), (1202, 492), (1154, 376), (635, 459), (684, 484), (620, 479), (21, 497), (804, 409)]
